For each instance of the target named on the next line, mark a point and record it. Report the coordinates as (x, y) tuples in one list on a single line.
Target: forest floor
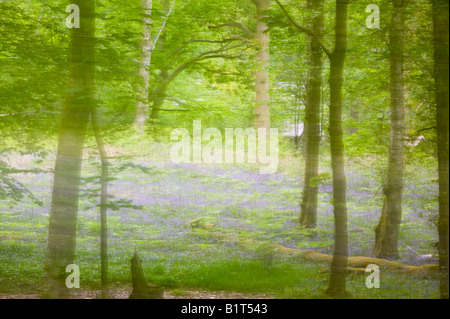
[(154, 202), (124, 293)]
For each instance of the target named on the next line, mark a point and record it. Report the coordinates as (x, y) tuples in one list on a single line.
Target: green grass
[(280, 278), (179, 258)]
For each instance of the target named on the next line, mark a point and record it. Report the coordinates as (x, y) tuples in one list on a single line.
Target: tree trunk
[(78, 102), (308, 207), (103, 204), (160, 94), (262, 111), (441, 46), (142, 107), (386, 233), (337, 60), (141, 289)]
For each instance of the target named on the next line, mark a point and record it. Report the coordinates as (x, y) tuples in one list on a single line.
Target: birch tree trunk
[(142, 107), (262, 110)]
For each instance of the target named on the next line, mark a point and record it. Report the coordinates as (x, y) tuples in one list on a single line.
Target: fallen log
[(357, 262)]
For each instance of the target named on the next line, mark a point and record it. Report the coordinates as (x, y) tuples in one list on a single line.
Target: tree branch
[(29, 113), (212, 41), (240, 37), (371, 107), (305, 30), (205, 55), (426, 129), (214, 54), (233, 24), (174, 110), (223, 41), (215, 71), (164, 24)]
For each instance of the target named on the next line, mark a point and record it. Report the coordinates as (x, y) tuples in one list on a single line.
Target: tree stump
[(141, 289)]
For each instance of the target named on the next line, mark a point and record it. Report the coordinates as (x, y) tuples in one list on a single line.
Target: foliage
[(205, 50)]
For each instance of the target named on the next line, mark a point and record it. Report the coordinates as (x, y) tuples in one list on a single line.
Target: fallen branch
[(358, 262)]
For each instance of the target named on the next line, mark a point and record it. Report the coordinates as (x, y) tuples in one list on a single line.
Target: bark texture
[(142, 107), (141, 289), (386, 233), (337, 59), (103, 204), (308, 206), (440, 35), (78, 102), (262, 111)]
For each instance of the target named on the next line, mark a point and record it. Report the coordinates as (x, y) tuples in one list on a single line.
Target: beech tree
[(386, 233), (184, 53), (312, 126), (260, 36), (337, 60), (179, 62), (441, 51), (79, 101)]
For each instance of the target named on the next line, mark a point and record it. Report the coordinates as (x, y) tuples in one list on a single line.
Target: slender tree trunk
[(142, 107), (441, 46), (103, 204), (159, 95), (354, 115), (308, 207), (386, 233), (77, 105), (337, 60), (262, 111)]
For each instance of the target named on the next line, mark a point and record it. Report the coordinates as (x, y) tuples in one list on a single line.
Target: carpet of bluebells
[(153, 201)]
